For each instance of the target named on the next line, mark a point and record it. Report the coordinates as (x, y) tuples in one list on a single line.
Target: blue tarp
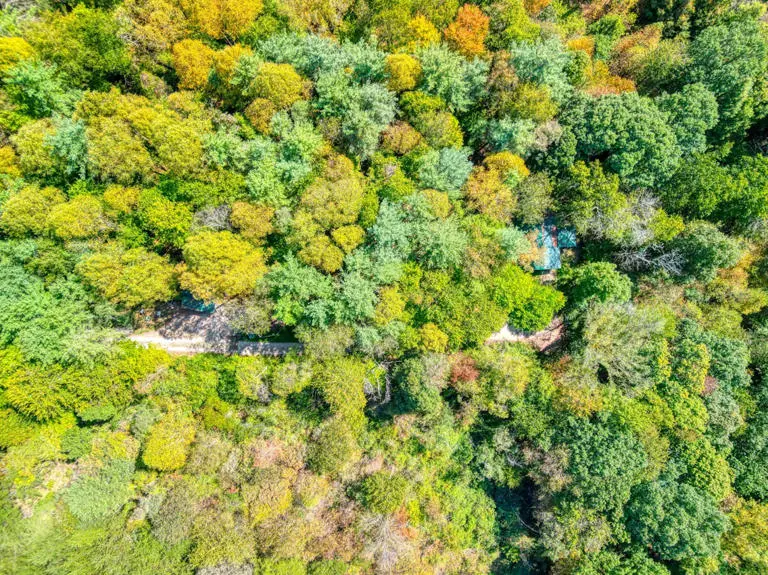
[(188, 301)]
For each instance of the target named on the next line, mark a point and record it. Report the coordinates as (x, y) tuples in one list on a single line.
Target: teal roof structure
[(552, 240)]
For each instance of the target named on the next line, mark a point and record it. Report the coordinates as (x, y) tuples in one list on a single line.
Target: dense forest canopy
[(385, 185)]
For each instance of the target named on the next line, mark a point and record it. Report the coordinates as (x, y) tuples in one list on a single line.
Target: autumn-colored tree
[(487, 193), (396, 29), (260, 113), (382, 191), (489, 187), (9, 162), (151, 26), (225, 63), (467, 33)]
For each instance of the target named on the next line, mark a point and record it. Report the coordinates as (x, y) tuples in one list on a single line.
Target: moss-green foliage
[(94, 498), (334, 448), (599, 281), (284, 567), (327, 568), (383, 492), (76, 442)]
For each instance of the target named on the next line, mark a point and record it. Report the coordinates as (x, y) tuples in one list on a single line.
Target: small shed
[(551, 240), (190, 302)]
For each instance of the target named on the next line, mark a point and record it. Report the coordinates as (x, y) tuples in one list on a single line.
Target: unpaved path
[(183, 331), (543, 340), (187, 332), (193, 345)]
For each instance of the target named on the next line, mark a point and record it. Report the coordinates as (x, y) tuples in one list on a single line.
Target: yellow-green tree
[(25, 212), (220, 265), (192, 61), (254, 221), (35, 158), (222, 19), (404, 72), (13, 50), (278, 83), (129, 277), (80, 218)]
